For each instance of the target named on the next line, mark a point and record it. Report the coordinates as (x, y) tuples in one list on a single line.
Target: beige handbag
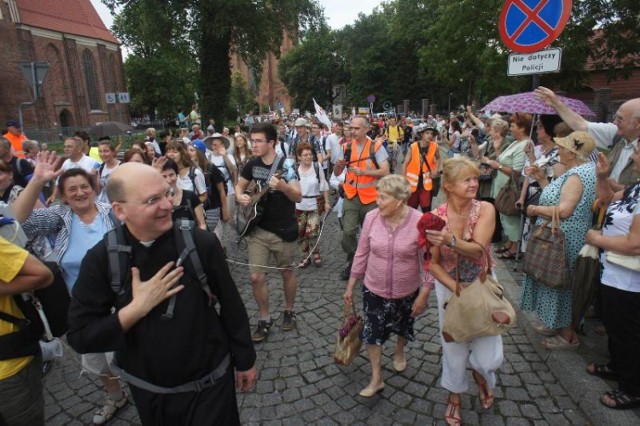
[(481, 309), (349, 343)]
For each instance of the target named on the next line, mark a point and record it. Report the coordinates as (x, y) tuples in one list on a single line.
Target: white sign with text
[(535, 63)]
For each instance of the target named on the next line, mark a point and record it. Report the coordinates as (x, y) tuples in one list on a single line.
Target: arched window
[(89, 66), (57, 81)]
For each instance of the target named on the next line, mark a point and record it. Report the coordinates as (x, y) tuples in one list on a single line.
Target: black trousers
[(621, 317), (216, 405)]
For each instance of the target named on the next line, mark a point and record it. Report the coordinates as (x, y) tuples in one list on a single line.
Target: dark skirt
[(385, 316)]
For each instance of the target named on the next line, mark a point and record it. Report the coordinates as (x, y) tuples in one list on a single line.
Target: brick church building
[(85, 63)]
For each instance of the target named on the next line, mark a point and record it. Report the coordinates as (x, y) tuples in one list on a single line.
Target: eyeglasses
[(168, 194), (258, 141)]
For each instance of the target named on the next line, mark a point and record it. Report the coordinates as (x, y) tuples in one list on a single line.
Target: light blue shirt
[(82, 237)]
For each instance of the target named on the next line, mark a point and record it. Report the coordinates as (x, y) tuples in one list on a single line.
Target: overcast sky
[(338, 12)]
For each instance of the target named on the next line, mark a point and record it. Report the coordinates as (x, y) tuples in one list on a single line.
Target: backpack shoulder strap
[(119, 258), (373, 148), (316, 167), (101, 169), (184, 230)]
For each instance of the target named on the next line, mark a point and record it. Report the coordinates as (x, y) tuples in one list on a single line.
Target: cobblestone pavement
[(300, 384)]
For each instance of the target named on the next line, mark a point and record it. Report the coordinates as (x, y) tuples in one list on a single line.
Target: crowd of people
[(140, 238)]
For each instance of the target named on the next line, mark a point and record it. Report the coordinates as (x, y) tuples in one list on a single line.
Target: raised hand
[(46, 165)]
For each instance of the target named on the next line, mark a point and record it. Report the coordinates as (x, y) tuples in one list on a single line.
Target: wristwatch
[(453, 242)]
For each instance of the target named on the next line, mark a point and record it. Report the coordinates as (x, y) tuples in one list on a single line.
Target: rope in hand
[(293, 266)]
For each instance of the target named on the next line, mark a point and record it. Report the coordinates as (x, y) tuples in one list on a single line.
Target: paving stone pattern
[(300, 384)]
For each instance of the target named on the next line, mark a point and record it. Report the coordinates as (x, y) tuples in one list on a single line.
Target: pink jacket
[(390, 262)]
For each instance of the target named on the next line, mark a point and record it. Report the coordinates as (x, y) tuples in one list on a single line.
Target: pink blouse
[(389, 261)]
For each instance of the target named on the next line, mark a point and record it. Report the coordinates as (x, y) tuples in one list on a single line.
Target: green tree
[(160, 69), (313, 68), (207, 31)]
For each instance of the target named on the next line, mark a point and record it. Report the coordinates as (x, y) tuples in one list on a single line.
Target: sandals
[(453, 407), (485, 398), (502, 249), (304, 262), (317, 261), (602, 371), (559, 342), (620, 399), (507, 255)]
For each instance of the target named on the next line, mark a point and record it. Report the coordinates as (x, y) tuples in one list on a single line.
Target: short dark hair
[(108, 143), (269, 130), (82, 135), (67, 174), (170, 164)]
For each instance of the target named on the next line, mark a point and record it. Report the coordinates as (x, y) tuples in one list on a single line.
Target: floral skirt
[(385, 316)]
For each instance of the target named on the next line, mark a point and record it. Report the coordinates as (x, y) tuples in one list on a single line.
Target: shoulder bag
[(629, 262), (481, 309), (505, 201), (349, 343), (546, 259)]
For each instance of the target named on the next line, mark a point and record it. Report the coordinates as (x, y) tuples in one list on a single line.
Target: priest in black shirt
[(164, 359)]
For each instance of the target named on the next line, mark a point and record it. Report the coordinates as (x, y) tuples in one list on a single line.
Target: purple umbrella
[(529, 102)]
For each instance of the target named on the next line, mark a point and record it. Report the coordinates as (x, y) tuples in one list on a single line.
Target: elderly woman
[(460, 248), (620, 290), (573, 192), (545, 157), (510, 163), (314, 187), (77, 225), (31, 151), (389, 262)]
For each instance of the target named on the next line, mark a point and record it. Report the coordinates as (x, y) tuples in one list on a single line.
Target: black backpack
[(120, 259), (45, 316)]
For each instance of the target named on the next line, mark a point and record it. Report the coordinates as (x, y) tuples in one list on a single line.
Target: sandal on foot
[(544, 331), (507, 255), (502, 249), (621, 400), (317, 261), (304, 262), (559, 342), (450, 417), (485, 398), (602, 371)]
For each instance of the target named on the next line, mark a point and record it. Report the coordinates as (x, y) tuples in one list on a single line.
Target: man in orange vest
[(366, 162), (420, 167), (16, 137)]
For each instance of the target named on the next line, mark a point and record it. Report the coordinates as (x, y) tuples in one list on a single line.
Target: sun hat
[(580, 143), (301, 122), (209, 139)]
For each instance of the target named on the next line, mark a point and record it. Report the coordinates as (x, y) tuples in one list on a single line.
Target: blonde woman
[(458, 249)]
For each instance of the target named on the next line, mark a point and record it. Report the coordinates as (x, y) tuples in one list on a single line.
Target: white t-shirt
[(310, 188), (218, 161), (87, 163), (333, 143), (620, 215), (104, 177), (184, 182)]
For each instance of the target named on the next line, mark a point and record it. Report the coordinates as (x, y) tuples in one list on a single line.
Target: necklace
[(462, 216)]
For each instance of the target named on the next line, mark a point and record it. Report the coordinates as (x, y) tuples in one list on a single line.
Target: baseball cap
[(13, 123), (199, 144)]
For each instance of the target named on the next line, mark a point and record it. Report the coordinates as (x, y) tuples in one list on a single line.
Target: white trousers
[(485, 354)]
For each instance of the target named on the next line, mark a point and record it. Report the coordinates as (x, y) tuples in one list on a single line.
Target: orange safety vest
[(16, 143), (363, 186), (417, 161)]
